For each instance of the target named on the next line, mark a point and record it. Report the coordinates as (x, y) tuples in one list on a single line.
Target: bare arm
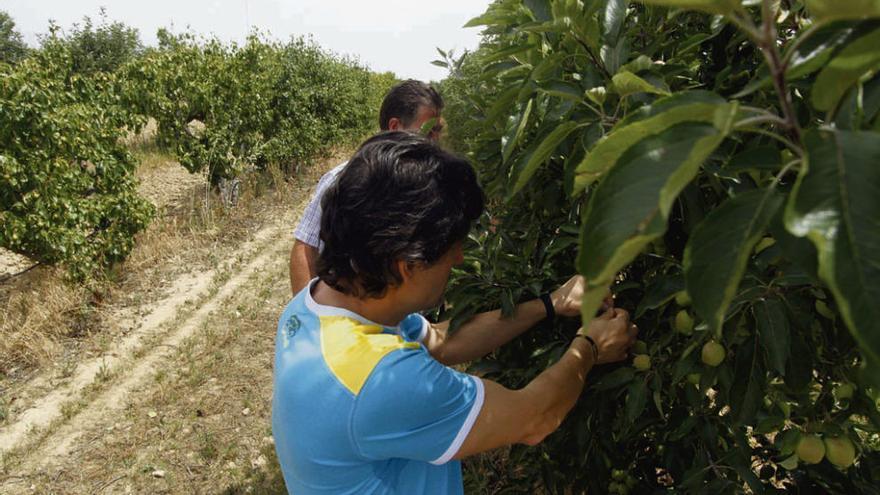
[(528, 415), (303, 259), (488, 331), (481, 334)]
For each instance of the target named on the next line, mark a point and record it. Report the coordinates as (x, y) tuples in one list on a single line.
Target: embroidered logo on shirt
[(293, 325)]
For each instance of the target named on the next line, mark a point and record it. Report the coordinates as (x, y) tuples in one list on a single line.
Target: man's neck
[(384, 311)]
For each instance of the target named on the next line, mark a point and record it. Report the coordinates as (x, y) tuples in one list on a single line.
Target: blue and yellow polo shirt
[(359, 408)]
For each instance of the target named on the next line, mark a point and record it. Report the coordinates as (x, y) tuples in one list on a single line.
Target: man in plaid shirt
[(407, 107)]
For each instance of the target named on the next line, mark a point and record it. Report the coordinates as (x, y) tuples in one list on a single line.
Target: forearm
[(557, 389), (486, 332), (302, 265)]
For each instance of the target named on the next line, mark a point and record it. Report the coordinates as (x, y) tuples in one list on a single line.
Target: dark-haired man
[(365, 400), (408, 106)]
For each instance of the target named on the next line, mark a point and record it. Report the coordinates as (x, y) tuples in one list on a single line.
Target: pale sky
[(395, 35)]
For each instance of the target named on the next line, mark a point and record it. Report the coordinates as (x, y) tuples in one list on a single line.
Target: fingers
[(632, 330), (607, 315), (621, 313)]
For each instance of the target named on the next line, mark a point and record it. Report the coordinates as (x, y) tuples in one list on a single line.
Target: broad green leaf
[(774, 333), (750, 378), (615, 379), (548, 67), (845, 69), (836, 204), (515, 127), (827, 10), (613, 19), (757, 158), (728, 233), (502, 104), (542, 154), (605, 154), (507, 53), (540, 9), (676, 100), (627, 83), (630, 206), (660, 292), (562, 89), (639, 64), (636, 400), (711, 6)]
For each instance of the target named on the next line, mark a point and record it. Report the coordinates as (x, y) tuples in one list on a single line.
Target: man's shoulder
[(333, 172)]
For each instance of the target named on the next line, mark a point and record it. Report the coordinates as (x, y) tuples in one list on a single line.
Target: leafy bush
[(12, 46), (67, 192), (104, 47), (723, 165), (225, 107)]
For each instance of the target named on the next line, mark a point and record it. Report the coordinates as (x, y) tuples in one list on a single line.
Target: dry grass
[(203, 425)]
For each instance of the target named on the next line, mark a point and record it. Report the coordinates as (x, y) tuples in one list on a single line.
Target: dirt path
[(47, 447)]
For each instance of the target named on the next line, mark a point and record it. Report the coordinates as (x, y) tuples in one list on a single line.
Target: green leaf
[(636, 400), (660, 292), (747, 391), (562, 89), (845, 69), (540, 9), (756, 158), (615, 379), (515, 126), (728, 233), (774, 332), (612, 21), (542, 154), (606, 153), (627, 84), (721, 7), (836, 204), (827, 10), (629, 208), (507, 53)]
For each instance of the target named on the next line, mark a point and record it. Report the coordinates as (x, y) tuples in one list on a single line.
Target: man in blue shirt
[(365, 400)]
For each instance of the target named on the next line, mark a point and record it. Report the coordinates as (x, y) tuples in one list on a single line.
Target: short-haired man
[(408, 106), (365, 400)]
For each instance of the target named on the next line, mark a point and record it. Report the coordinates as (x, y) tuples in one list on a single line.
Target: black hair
[(404, 101), (400, 197)]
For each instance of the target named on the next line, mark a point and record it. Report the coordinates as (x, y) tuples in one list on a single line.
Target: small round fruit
[(764, 244), (713, 353), (844, 391), (810, 449), (684, 323), (618, 474), (824, 310), (694, 378), (642, 362), (840, 451), (640, 347), (682, 298)]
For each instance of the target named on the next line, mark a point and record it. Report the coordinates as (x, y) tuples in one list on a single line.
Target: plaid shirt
[(309, 229)]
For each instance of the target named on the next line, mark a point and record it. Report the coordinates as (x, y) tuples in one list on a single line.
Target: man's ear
[(394, 124), (405, 269)]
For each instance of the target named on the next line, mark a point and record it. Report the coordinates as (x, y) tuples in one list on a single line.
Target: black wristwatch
[(548, 306)]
